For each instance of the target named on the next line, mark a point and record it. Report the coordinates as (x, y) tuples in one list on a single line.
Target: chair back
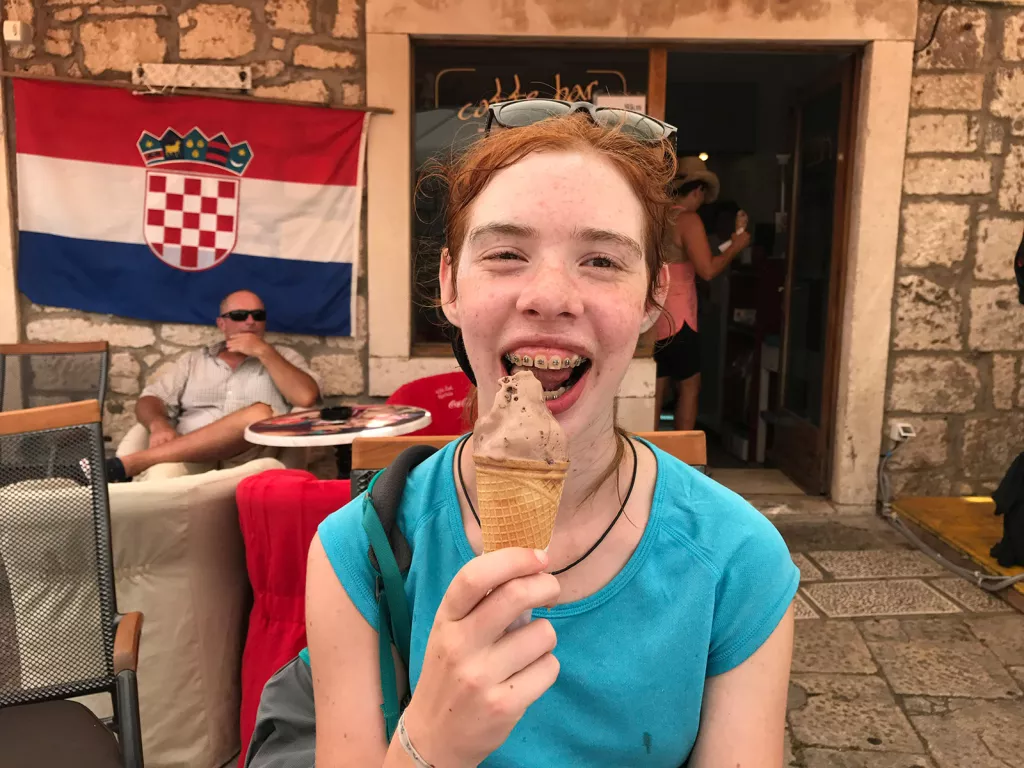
[(444, 396), (371, 454), (33, 375), (57, 602)]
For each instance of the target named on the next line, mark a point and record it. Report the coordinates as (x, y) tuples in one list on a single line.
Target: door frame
[(823, 436)]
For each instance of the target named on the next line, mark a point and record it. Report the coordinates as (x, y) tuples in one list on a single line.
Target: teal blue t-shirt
[(708, 583)]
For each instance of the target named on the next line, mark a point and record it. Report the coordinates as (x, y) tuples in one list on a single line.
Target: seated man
[(216, 392)]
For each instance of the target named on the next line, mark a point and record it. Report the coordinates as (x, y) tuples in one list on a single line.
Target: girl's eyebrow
[(502, 228)]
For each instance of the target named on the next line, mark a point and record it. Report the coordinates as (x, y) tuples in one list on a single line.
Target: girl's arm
[(743, 716)]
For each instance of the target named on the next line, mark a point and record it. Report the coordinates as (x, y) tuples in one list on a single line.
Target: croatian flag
[(156, 207)]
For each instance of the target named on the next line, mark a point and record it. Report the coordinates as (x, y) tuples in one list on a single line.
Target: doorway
[(775, 127)]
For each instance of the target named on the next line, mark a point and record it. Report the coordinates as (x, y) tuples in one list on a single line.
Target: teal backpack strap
[(390, 556)]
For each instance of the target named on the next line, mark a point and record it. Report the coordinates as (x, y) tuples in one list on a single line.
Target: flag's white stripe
[(97, 201)]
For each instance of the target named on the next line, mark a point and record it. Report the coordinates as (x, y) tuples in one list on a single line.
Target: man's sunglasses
[(518, 114), (240, 315)]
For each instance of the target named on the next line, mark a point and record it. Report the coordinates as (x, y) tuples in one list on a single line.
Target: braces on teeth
[(544, 363)]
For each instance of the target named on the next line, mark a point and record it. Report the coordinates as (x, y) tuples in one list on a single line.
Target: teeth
[(555, 394), (540, 362), (567, 363), (555, 364), (515, 359), (528, 361)]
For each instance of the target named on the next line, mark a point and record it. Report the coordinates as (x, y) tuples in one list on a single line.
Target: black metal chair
[(33, 375), (60, 634)]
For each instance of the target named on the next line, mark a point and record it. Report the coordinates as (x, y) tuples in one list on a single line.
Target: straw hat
[(694, 169)]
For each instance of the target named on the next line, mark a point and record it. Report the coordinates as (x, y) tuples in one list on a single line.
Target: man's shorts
[(678, 357)]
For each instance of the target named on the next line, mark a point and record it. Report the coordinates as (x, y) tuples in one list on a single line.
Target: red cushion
[(278, 512), (443, 395)]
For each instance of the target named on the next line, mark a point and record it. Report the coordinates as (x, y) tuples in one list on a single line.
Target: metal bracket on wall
[(171, 76)]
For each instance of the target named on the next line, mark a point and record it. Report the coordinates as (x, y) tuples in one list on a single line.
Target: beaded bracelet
[(410, 750)]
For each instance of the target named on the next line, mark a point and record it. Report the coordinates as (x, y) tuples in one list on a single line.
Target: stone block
[(1013, 37), (829, 758), (929, 449), (934, 234), (68, 14), (124, 374), (314, 91), (81, 329), (318, 57), (129, 10), (216, 32), (352, 95), (20, 10), (292, 339), (831, 647), (997, 319), (928, 482), (46, 70), (264, 70), (1011, 190), (58, 42), (942, 133), (995, 243), (928, 91), (975, 734), (190, 335), (340, 374), (929, 384), (927, 315), (959, 41), (151, 358), (1004, 381), (1008, 98), (941, 176), (120, 44), (346, 21), (277, 43), (291, 15), (991, 443)]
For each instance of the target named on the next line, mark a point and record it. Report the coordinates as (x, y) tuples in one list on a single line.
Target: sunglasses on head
[(240, 315), (518, 114)]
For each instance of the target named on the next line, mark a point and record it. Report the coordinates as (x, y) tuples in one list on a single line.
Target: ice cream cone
[(518, 501)]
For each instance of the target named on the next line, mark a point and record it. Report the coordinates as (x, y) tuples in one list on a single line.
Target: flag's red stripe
[(97, 124)]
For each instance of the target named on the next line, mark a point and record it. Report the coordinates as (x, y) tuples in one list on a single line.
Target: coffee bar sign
[(463, 86)]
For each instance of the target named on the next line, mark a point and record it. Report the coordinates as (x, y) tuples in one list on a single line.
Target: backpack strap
[(390, 557)]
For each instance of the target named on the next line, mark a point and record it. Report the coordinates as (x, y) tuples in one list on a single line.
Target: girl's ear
[(449, 297)]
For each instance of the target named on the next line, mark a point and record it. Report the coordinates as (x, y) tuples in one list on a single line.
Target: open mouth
[(557, 374)]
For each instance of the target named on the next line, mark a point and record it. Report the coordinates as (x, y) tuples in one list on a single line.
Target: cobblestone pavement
[(897, 663)]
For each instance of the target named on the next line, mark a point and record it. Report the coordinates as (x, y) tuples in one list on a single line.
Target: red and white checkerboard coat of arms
[(191, 220), (191, 212)]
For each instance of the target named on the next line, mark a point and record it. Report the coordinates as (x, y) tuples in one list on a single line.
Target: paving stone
[(938, 629), (1018, 673), (831, 647), (918, 705), (984, 734), (851, 712), (845, 532), (808, 570), (877, 564), (775, 506), (1003, 635), (877, 598), (953, 668), (971, 597), (802, 609), (827, 758)]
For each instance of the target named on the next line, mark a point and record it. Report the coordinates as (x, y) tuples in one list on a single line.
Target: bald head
[(240, 300)]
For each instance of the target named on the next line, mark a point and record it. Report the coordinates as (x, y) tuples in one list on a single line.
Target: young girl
[(671, 639)]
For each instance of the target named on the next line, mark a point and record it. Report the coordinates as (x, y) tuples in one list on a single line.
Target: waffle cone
[(518, 501)]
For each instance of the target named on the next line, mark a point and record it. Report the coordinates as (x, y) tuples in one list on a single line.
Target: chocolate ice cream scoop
[(519, 424)]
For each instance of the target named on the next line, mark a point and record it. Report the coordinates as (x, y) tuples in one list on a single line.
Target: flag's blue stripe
[(128, 280)]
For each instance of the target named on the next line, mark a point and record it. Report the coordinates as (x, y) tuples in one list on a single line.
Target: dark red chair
[(278, 512), (444, 396)]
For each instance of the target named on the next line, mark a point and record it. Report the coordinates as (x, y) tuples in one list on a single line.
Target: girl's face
[(552, 277)]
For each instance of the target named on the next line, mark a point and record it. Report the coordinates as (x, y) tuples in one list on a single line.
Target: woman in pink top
[(689, 254)]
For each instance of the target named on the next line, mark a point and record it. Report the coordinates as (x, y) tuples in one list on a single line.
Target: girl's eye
[(601, 261), (504, 256)]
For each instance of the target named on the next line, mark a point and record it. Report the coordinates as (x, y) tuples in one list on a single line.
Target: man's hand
[(160, 434), (248, 344)]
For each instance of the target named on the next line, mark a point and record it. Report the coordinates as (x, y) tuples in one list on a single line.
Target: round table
[(344, 424)]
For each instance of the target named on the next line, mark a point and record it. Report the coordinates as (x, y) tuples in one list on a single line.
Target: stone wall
[(301, 50), (955, 371)]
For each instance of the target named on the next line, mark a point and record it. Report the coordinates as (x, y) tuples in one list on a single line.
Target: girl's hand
[(478, 680)]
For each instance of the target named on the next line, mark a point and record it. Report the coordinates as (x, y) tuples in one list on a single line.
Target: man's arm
[(297, 386), (151, 412)]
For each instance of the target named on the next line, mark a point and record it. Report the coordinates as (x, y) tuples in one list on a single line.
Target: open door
[(812, 310)]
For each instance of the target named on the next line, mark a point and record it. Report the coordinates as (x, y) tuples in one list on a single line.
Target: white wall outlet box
[(17, 32)]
